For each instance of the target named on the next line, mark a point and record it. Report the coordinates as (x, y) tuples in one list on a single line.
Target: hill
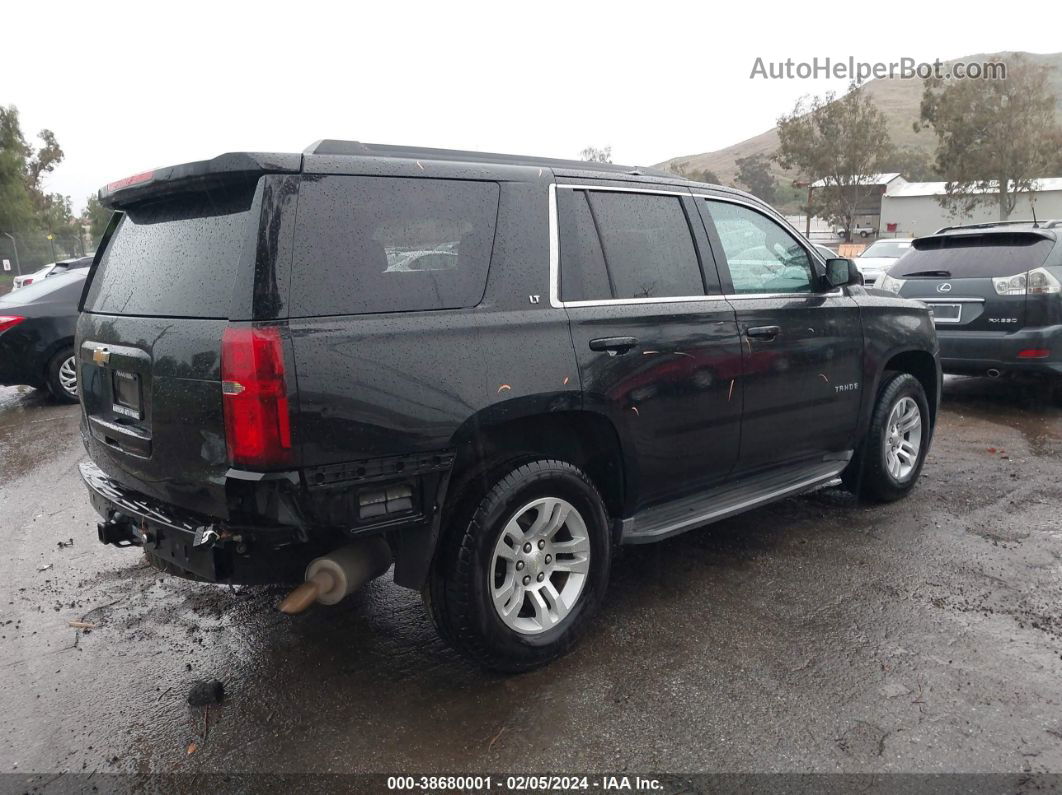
[(898, 99)]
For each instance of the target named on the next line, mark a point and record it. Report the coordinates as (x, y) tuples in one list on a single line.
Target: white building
[(911, 209)]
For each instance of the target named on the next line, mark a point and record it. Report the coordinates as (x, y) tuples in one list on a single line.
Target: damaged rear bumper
[(200, 547)]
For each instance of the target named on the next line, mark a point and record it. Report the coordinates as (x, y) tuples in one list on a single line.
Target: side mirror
[(841, 272)]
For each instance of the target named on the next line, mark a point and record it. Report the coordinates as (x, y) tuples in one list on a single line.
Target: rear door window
[(174, 258), (388, 244), (973, 256), (583, 273), (647, 243)]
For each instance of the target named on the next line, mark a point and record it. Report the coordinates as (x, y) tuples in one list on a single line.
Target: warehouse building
[(912, 209)]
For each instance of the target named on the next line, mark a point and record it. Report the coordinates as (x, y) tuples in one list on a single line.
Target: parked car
[(995, 291), (53, 269), (879, 256), (37, 334), (616, 356), (30, 278), (858, 230)]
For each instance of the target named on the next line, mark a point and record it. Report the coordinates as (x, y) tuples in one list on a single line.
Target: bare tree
[(593, 154)]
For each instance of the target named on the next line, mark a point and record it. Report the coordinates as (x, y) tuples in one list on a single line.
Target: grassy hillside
[(898, 99)]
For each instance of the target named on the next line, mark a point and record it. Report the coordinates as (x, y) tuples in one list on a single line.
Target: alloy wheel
[(540, 565), (903, 438)]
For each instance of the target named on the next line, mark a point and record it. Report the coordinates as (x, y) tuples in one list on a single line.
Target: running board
[(663, 521)]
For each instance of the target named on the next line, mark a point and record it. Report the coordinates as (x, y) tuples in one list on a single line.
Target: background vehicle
[(53, 269), (857, 231), (37, 334), (995, 291), (825, 251), (606, 357), (879, 256)]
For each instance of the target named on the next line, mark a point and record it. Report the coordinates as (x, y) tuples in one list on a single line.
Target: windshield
[(887, 248), (38, 291)]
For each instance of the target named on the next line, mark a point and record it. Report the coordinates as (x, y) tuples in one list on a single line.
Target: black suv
[(995, 291), (491, 369)]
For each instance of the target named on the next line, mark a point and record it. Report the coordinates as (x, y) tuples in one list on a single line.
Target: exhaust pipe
[(334, 576), (993, 373)]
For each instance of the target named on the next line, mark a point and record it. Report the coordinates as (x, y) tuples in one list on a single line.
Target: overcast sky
[(126, 87)]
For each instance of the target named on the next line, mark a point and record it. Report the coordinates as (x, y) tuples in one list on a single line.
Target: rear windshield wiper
[(928, 274)]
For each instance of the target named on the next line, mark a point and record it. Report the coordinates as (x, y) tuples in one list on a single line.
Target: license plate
[(946, 313), (126, 391)]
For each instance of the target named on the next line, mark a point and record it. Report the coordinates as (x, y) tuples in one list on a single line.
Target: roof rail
[(358, 149), (989, 224)]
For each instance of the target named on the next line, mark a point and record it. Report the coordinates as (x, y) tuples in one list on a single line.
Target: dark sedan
[(37, 334)]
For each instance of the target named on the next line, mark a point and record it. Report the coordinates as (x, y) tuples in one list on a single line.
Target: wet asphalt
[(816, 634)]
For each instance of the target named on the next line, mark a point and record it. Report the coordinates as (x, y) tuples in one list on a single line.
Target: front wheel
[(515, 584), (890, 459)]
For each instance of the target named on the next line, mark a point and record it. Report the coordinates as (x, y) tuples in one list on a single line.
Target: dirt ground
[(816, 634)]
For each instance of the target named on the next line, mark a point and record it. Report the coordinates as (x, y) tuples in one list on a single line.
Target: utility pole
[(14, 245)]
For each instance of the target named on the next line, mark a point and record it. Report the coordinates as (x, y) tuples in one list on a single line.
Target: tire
[(864, 234), (879, 472), (573, 558), (61, 372)]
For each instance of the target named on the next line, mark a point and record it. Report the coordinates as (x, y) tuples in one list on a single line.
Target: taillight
[(255, 398), (7, 321), (1034, 353), (1038, 281)]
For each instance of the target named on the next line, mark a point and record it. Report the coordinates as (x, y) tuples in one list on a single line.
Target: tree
[(97, 217), (843, 141), (915, 165), (16, 206), (594, 155), (994, 137), (754, 172)]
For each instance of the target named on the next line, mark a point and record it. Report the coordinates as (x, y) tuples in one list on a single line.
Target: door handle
[(763, 332), (613, 345)]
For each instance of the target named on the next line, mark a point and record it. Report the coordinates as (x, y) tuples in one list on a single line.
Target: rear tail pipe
[(993, 373), (334, 576)]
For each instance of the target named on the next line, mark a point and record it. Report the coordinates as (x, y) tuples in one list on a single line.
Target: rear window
[(174, 258), (887, 248), (386, 244), (973, 256)]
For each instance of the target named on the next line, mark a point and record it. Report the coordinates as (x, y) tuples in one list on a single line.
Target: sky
[(127, 87)]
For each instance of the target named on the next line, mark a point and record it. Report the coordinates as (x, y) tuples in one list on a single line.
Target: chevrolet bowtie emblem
[(100, 354)]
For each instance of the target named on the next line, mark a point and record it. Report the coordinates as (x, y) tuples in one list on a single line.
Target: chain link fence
[(25, 252)]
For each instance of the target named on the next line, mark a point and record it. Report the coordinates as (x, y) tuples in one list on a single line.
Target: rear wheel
[(890, 459), (62, 376), (516, 581)]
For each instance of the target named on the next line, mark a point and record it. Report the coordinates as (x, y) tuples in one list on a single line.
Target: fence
[(30, 250)]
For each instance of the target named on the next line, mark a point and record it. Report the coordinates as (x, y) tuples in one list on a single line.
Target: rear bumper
[(976, 352), (199, 546)]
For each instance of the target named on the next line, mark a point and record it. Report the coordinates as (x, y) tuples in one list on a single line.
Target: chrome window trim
[(928, 300), (554, 256)]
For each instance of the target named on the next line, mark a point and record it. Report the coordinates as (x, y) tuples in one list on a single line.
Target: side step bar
[(664, 521)]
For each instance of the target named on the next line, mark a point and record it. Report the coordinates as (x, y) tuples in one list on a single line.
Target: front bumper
[(976, 352), (200, 547)]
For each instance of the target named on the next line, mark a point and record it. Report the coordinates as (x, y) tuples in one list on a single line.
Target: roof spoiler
[(229, 167), (953, 233)]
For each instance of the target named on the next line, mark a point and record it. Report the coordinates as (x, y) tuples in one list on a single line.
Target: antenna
[(1032, 205)]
